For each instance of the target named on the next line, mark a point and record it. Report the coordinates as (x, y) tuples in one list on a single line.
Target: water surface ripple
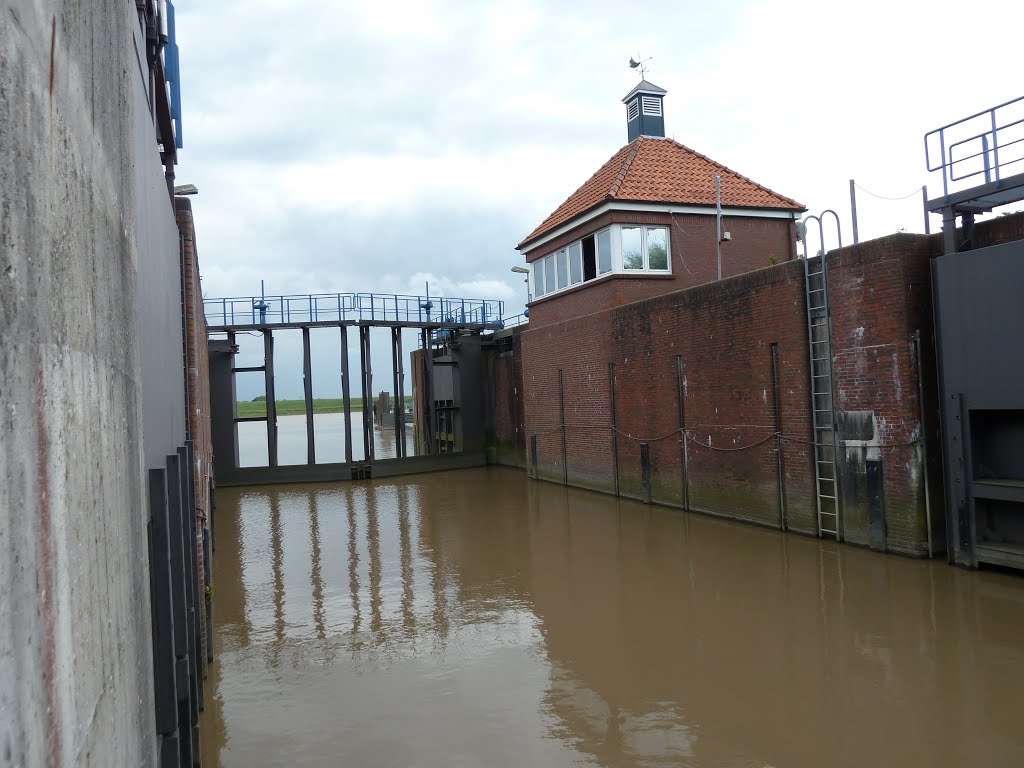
[(475, 618)]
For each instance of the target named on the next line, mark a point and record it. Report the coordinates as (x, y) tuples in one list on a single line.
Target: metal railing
[(521, 319), (240, 311), (980, 145)]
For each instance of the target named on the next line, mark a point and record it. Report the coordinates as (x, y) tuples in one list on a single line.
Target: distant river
[(329, 436)]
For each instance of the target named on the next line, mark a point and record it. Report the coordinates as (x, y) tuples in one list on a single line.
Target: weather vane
[(634, 64)]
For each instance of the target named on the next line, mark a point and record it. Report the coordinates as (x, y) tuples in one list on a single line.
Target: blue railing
[(242, 311), (980, 145)]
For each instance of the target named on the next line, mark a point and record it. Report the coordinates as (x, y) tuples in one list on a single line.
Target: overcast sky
[(376, 146)]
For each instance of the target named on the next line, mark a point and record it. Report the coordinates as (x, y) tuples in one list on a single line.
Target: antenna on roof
[(634, 64)]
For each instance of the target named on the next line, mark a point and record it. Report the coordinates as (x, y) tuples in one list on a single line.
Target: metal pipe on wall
[(924, 443), (615, 434), (718, 223), (681, 394), (853, 212), (561, 412)]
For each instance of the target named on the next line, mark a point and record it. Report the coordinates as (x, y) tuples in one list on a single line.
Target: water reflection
[(516, 623)]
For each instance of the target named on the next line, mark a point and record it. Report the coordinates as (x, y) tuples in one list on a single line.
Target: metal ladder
[(826, 483)]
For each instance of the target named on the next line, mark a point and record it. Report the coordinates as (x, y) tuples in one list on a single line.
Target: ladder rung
[(823, 496)]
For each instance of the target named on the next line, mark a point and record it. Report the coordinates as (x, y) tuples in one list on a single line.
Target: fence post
[(645, 471)]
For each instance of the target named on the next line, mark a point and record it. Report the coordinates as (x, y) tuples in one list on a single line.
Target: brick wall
[(756, 243), (719, 339), (197, 381), (712, 343), (507, 442)]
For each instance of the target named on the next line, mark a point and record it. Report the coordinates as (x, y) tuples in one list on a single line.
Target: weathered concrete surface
[(78, 217)]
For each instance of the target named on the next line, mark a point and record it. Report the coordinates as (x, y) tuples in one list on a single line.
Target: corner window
[(632, 248), (575, 254), (657, 248), (633, 110), (643, 249), (604, 252)]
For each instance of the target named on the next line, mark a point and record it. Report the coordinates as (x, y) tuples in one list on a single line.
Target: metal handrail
[(352, 307), (989, 140)]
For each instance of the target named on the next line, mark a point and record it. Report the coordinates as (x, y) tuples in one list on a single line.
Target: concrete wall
[(89, 291)]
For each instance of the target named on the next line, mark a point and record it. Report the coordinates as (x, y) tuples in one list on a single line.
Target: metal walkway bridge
[(438, 320), (333, 309)]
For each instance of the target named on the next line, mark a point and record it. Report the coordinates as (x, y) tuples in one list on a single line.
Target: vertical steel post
[(401, 392), (179, 578), (307, 391), (162, 613), (194, 543), (191, 587), (718, 223), (924, 205), (561, 412), (346, 394), (853, 214), (681, 397), (615, 431), (645, 472), (395, 332), (367, 378), (428, 388), (924, 443), (780, 467), (367, 403), (271, 403)]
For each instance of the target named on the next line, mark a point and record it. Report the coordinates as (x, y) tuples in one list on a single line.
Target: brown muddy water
[(476, 618)]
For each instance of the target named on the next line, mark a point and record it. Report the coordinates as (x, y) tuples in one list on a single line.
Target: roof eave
[(568, 223)]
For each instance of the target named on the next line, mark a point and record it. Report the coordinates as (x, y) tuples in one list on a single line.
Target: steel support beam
[(428, 389), (367, 379), (307, 391), (401, 392), (162, 608), (268, 378), (346, 394), (182, 681), (395, 333)]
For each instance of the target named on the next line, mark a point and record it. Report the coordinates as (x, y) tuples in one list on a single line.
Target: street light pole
[(524, 271)]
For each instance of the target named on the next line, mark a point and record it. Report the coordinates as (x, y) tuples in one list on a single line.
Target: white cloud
[(355, 146)]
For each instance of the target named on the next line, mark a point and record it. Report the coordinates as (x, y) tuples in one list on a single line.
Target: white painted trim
[(640, 207), (651, 106)]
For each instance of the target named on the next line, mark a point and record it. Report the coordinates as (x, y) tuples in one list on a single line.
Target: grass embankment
[(298, 407)]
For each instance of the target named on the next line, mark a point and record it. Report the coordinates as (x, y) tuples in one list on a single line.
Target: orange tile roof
[(659, 170)]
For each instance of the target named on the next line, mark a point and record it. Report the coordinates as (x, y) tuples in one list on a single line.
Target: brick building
[(652, 220), (643, 375)]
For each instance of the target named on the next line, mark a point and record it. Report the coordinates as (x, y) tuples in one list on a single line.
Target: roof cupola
[(645, 115)]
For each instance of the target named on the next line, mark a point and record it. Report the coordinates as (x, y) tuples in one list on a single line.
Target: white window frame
[(632, 110), (615, 243)]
